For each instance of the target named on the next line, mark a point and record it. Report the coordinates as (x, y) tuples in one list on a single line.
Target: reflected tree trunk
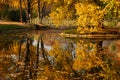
[(27, 60), (37, 62), (42, 49), (43, 52), (20, 50), (19, 56), (99, 46)]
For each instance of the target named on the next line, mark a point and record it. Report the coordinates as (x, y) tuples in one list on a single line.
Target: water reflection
[(61, 58), (47, 47)]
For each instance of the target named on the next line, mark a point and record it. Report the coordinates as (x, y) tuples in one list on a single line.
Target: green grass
[(111, 24), (71, 31), (6, 27), (74, 31)]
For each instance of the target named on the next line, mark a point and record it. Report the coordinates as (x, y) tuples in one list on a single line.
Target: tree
[(42, 9), (17, 4), (62, 10), (89, 14), (28, 13), (20, 5), (90, 17), (39, 10), (112, 8), (3, 7)]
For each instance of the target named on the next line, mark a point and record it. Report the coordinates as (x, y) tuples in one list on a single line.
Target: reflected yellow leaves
[(86, 56), (62, 58), (89, 62)]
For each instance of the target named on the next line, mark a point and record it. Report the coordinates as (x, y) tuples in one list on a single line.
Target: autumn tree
[(16, 5), (43, 9), (90, 17), (62, 9), (89, 14), (28, 10), (112, 9), (93, 13), (4, 7)]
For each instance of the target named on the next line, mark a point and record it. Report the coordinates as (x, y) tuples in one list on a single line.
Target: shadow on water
[(49, 56)]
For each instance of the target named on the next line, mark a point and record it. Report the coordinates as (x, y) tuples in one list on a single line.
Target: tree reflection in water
[(84, 60)]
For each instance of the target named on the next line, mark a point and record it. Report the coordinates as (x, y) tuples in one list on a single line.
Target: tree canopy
[(89, 14)]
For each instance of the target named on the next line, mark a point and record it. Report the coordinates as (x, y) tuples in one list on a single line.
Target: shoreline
[(91, 36)]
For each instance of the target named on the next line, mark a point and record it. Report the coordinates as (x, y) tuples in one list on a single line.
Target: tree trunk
[(42, 12), (0, 16), (20, 4), (28, 11), (39, 11)]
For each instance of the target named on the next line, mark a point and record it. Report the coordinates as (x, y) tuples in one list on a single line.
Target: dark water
[(77, 57)]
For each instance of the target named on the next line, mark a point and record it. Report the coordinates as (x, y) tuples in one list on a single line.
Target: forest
[(89, 15), (59, 39)]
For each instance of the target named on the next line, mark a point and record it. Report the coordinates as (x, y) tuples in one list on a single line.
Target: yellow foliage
[(60, 14), (90, 16), (88, 58), (62, 57), (57, 17)]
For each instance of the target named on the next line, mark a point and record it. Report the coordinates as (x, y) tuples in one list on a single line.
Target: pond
[(46, 55)]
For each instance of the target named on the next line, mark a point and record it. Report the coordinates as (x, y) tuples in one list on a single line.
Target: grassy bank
[(6, 27), (103, 31), (71, 31)]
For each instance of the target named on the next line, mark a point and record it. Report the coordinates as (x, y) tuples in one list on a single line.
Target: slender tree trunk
[(37, 61), (41, 19), (39, 11), (21, 19), (28, 11), (27, 60), (42, 12), (42, 49), (0, 16)]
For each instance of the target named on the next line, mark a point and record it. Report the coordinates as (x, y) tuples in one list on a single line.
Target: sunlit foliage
[(62, 10), (90, 16), (112, 9)]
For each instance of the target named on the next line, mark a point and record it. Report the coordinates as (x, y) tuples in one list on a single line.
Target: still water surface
[(79, 49)]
